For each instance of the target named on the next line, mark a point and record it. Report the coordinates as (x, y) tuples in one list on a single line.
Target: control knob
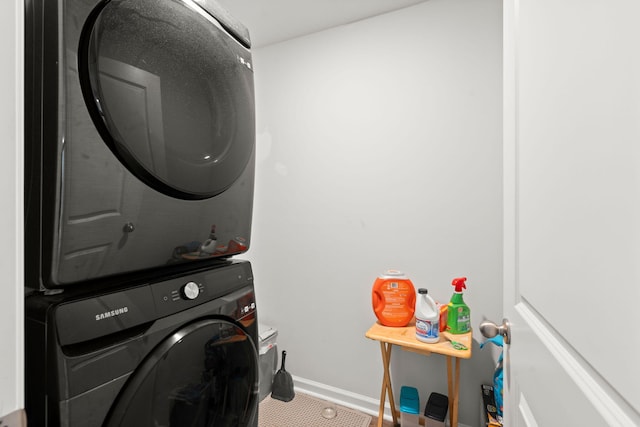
[(191, 291)]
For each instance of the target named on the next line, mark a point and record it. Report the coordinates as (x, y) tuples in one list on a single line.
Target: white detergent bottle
[(427, 318)]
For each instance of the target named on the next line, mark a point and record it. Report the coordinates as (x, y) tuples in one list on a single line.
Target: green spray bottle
[(458, 313)]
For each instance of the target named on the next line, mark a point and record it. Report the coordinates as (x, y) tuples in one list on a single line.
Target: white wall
[(11, 170), (379, 146)]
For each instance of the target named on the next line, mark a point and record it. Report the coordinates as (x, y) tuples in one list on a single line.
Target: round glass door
[(205, 374), (170, 92)]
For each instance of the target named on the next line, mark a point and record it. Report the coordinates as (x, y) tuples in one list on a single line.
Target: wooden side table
[(405, 337)]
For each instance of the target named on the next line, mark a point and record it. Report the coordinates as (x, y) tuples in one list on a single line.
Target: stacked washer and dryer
[(140, 143)]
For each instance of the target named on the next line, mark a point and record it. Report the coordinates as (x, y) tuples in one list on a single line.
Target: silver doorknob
[(489, 330)]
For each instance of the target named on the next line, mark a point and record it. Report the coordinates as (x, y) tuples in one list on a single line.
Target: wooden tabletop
[(406, 337)]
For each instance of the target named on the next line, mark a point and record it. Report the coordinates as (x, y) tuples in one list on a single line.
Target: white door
[(572, 212)]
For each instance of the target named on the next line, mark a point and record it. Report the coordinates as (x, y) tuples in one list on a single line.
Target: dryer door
[(205, 374), (171, 93)]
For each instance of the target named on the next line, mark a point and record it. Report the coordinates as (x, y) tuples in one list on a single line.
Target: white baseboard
[(342, 397), (356, 401)]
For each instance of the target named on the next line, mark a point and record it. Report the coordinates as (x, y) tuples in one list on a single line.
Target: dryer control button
[(191, 290)]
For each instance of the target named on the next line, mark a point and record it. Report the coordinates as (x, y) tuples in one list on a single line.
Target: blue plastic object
[(409, 400), (497, 374)]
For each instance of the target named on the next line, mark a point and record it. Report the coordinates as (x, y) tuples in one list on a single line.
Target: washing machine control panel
[(190, 291), (197, 288)]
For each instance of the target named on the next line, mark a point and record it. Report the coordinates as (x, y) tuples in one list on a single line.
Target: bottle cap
[(393, 273), (459, 283)]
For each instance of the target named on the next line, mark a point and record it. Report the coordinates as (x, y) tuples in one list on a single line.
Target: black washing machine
[(139, 139), (180, 353)]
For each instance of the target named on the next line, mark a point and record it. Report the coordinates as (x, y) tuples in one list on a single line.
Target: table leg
[(456, 393), (386, 386), (392, 401), (450, 387), (453, 383)]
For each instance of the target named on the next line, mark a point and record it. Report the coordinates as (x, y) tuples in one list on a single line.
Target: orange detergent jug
[(394, 299)]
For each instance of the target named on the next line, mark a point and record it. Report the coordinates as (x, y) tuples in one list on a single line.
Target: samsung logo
[(112, 313)]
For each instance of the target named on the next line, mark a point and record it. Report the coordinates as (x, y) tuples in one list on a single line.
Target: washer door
[(205, 374), (171, 94)]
